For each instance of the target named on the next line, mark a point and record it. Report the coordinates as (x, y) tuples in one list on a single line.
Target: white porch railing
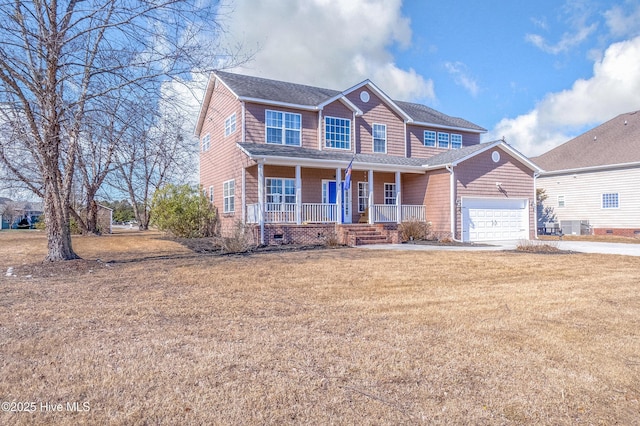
[(280, 213), (327, 213), (319, 212), (385, 213), (410, 212)]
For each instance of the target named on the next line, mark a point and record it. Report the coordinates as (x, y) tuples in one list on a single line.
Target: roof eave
[(444, 127), (204, 105), (278, 160), (279, 103), (589, 169)]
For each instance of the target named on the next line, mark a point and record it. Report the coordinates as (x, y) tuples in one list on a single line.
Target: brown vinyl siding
[(437, 200), (223, 161), (477, 177), (256, 130), (377, 112), (416, 148)]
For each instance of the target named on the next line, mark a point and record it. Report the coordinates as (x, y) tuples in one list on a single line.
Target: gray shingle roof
[(454, 155), (273, 90), (615, 142), (280, 91), (262, 149), (424, 114)]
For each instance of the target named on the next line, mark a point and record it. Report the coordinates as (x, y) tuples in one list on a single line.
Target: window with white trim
[(337, 132), (229, 195), (363, 196), (280, 191), (610, 201), (389, 193), (429, 138), (283, 128), (560, 200), (443, 140), (380, 138), (206, 142), (230, 125), (211, 194), (456, 141)]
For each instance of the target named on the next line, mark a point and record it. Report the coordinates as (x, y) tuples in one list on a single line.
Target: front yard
[(144, 330)]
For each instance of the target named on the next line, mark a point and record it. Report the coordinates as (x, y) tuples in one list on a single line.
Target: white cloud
[(328, 43), (461, 76), (567, 41), (613, 89), (621, 24)]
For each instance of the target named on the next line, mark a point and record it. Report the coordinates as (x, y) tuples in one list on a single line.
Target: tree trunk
[(57, 225)]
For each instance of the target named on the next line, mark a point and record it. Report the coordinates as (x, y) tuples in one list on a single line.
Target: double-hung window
[(211, 194), (610, 201), (229, 195), (456, 141), (283, 128), (363, 196), (429, 138), (280, 192), (206, 142), (389, 193), (230, 125), (443, 140), (380, 138), (337, 132)]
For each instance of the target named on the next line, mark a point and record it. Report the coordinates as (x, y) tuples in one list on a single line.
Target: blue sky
[(536, 73)]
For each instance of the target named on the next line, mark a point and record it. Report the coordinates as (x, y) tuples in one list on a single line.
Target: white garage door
[(488, 219)]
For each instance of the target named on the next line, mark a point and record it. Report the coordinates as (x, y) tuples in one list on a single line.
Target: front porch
[(304, 213)]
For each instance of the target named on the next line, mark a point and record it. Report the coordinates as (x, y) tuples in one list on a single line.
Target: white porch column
[(261, 200), (370, 197), (298, 195), (398, 198), (339, 194), (244, 196)]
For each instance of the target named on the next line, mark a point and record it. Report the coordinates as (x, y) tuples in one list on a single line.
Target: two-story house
[(297, 162)]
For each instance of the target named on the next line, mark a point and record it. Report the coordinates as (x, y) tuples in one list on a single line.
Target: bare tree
[(58, 62), (158, 149)]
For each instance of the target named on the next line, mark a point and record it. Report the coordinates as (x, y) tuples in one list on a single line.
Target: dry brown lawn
[(155, 334)]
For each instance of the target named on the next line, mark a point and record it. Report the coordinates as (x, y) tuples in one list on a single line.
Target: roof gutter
[(589, 169), (443, 127)]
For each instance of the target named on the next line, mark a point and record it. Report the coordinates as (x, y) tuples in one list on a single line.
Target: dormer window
[(337, 132)]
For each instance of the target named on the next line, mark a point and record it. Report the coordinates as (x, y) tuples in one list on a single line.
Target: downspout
[(452, 201), (535, 204), (320, 129), (244, 121)]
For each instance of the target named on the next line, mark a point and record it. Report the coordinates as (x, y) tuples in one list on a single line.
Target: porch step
[(367, 234), (371, 239)]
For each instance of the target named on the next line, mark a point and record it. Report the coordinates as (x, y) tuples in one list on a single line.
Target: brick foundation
[(295, 234), (276, 234), (621, 232)]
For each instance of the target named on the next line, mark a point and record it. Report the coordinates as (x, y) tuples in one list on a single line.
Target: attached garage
[(494, 219)]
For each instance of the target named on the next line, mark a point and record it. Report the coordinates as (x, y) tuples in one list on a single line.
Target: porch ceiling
[(293, 155)]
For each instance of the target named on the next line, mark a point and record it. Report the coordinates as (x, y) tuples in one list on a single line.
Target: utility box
[(575, 227)]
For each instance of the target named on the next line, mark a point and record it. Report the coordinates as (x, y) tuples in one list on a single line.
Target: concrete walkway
[(577, 246)]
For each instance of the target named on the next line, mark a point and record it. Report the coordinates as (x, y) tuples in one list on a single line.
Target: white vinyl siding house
[(583, 195)]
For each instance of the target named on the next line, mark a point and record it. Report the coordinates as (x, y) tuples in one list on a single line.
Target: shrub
[(532, 246), (239, 241), (414, 230), (331, 240), (183, 211)]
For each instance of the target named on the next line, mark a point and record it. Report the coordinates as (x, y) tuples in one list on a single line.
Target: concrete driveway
[(577, 246)]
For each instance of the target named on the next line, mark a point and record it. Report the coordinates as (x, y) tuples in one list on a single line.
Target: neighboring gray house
[(594, 177), (13, 212)]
